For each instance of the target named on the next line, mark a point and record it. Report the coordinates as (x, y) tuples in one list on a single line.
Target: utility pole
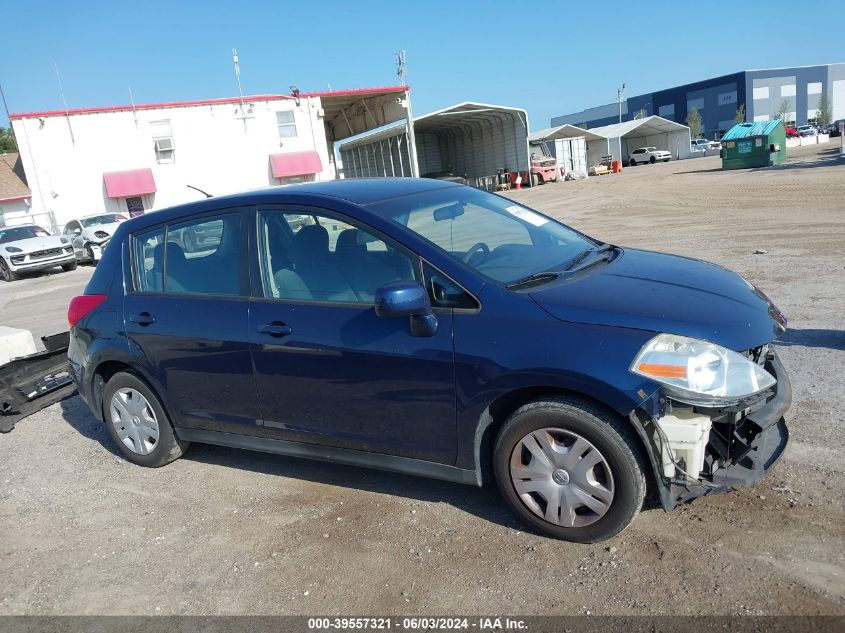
[(619, 93), (236, 61), (402, 74), (64, 102)]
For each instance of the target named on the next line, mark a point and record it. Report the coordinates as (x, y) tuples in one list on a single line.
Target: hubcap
[(134, 421), (561, 477)]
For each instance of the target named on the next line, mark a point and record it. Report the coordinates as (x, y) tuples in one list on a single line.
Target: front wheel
[(6, 272), (652, 160), (138, 424), (69, 267), (570, 470)]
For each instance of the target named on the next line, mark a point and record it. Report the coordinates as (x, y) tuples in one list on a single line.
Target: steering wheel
[(478, 246)]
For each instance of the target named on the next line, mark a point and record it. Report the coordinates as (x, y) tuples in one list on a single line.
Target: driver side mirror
[(407, 299)]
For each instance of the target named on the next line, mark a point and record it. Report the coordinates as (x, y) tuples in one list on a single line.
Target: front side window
[(286, 124), (72, 228), (200, 256), (498, 238), (314, 257)]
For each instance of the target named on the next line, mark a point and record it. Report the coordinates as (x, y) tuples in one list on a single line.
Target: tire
[(6, 272), (126, 386), (652, 160), (666, 160), (618, 477), (535, 180), (69, 267), (89, 255), (632, 163)]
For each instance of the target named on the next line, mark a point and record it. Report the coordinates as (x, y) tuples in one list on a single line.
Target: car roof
[(360, 191)]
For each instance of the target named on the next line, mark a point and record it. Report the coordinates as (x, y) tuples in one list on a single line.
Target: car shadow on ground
[(812, 337), (484, 503)]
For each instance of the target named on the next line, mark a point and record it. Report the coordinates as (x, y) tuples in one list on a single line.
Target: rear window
[(199, 256)]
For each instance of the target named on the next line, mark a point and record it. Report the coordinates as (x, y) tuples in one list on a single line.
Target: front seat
[(177, 265), (364, 272), (312, 261)]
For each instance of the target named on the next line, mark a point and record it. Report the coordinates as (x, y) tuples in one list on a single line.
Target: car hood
[(108, 228), (32, 244), (665, 293)]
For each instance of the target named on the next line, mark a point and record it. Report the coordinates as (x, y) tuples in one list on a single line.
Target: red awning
[(133, 182), (295, 164)]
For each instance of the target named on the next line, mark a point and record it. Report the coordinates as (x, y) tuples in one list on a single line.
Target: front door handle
[(276, 328), (145, 318)]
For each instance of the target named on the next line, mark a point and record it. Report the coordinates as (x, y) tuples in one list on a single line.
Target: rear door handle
[(145, 318), (276, 328)]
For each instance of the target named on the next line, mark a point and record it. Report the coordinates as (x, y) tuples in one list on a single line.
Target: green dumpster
[(754, 145)]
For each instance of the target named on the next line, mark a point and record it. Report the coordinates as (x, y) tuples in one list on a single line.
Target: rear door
[(187, 321), (329, 371)]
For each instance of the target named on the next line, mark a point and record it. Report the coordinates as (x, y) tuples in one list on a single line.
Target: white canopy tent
[(653, 131)]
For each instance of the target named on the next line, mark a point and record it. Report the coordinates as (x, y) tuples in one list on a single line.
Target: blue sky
[(573, 56)]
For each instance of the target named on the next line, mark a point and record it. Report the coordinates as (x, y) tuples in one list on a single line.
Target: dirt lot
[(227, 532)]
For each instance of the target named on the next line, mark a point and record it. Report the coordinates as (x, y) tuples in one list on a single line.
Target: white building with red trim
[(139, 158)]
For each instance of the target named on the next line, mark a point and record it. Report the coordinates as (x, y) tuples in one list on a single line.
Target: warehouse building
[(795, 91), (143, 157)]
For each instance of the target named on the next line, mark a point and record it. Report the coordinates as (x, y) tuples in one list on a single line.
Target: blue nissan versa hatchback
[(430, 328)]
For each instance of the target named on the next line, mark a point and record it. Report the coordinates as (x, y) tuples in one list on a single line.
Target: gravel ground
[(231, 532)]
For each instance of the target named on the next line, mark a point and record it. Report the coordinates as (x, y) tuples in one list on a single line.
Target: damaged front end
[(31, 383), (699, 449)]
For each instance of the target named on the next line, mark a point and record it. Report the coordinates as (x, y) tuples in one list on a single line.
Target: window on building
[(286, 123), (135, 206), (165, 149)]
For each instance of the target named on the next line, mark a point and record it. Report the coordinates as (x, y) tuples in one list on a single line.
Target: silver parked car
[(29, 248), (90, 235)]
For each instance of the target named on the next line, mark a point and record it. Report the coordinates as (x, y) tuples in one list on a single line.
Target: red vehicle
[(791, 132), (543, 165)]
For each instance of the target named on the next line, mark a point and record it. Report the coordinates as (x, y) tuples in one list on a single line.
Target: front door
[(328, 370), (188, 322)]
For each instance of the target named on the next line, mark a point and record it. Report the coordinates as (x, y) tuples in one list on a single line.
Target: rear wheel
[(535, 180), (6, 272), (570, 470), (632, 163), (138, 424)]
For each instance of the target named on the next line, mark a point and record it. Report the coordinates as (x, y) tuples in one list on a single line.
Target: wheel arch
[(104, 371), (496, 414)]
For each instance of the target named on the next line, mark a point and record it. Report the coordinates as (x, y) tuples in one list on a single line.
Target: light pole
[(619, 93)]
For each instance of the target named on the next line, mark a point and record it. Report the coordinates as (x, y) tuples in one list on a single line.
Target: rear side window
[(149, 272), (200, 256)]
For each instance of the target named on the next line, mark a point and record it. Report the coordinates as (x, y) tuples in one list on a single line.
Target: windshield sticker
[(525, 214)]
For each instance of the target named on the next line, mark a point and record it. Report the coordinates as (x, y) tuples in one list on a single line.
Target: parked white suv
[(648, 155)]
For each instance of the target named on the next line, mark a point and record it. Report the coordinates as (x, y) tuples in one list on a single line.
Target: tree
[(783, 110), (740, 114), (7, 140), (694, 123), (823, 113)]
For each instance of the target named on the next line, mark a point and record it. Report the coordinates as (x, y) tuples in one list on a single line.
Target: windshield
[(109, 218), (497, 237), (15, 233)]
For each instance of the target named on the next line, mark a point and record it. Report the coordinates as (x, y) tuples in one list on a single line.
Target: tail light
[(81, 306)]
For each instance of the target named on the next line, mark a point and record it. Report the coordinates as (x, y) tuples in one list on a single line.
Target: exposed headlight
[(700, 373), (100, 234), (13, 249), (65, 240)]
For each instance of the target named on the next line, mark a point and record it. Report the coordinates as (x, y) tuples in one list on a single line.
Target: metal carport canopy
[(469, 138)]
